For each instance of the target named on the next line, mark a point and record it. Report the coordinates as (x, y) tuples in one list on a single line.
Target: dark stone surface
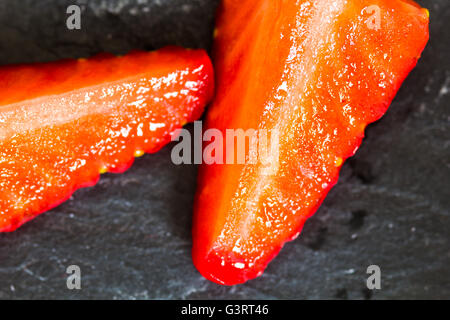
[(131, 233)]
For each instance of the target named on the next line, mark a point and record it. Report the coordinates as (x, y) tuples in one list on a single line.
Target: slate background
[(131, 233)]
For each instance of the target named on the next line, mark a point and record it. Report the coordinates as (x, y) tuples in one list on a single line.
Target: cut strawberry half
[(317, 72), (64, 123)]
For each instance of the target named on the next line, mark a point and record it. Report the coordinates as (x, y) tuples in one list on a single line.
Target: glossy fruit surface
[(318, 72), (64, 123)]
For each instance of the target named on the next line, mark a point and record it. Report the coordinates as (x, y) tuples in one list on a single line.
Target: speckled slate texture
[(131, 233)]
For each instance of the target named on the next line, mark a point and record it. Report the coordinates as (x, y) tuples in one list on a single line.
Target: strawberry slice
[(317, 72), (64, 123)]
